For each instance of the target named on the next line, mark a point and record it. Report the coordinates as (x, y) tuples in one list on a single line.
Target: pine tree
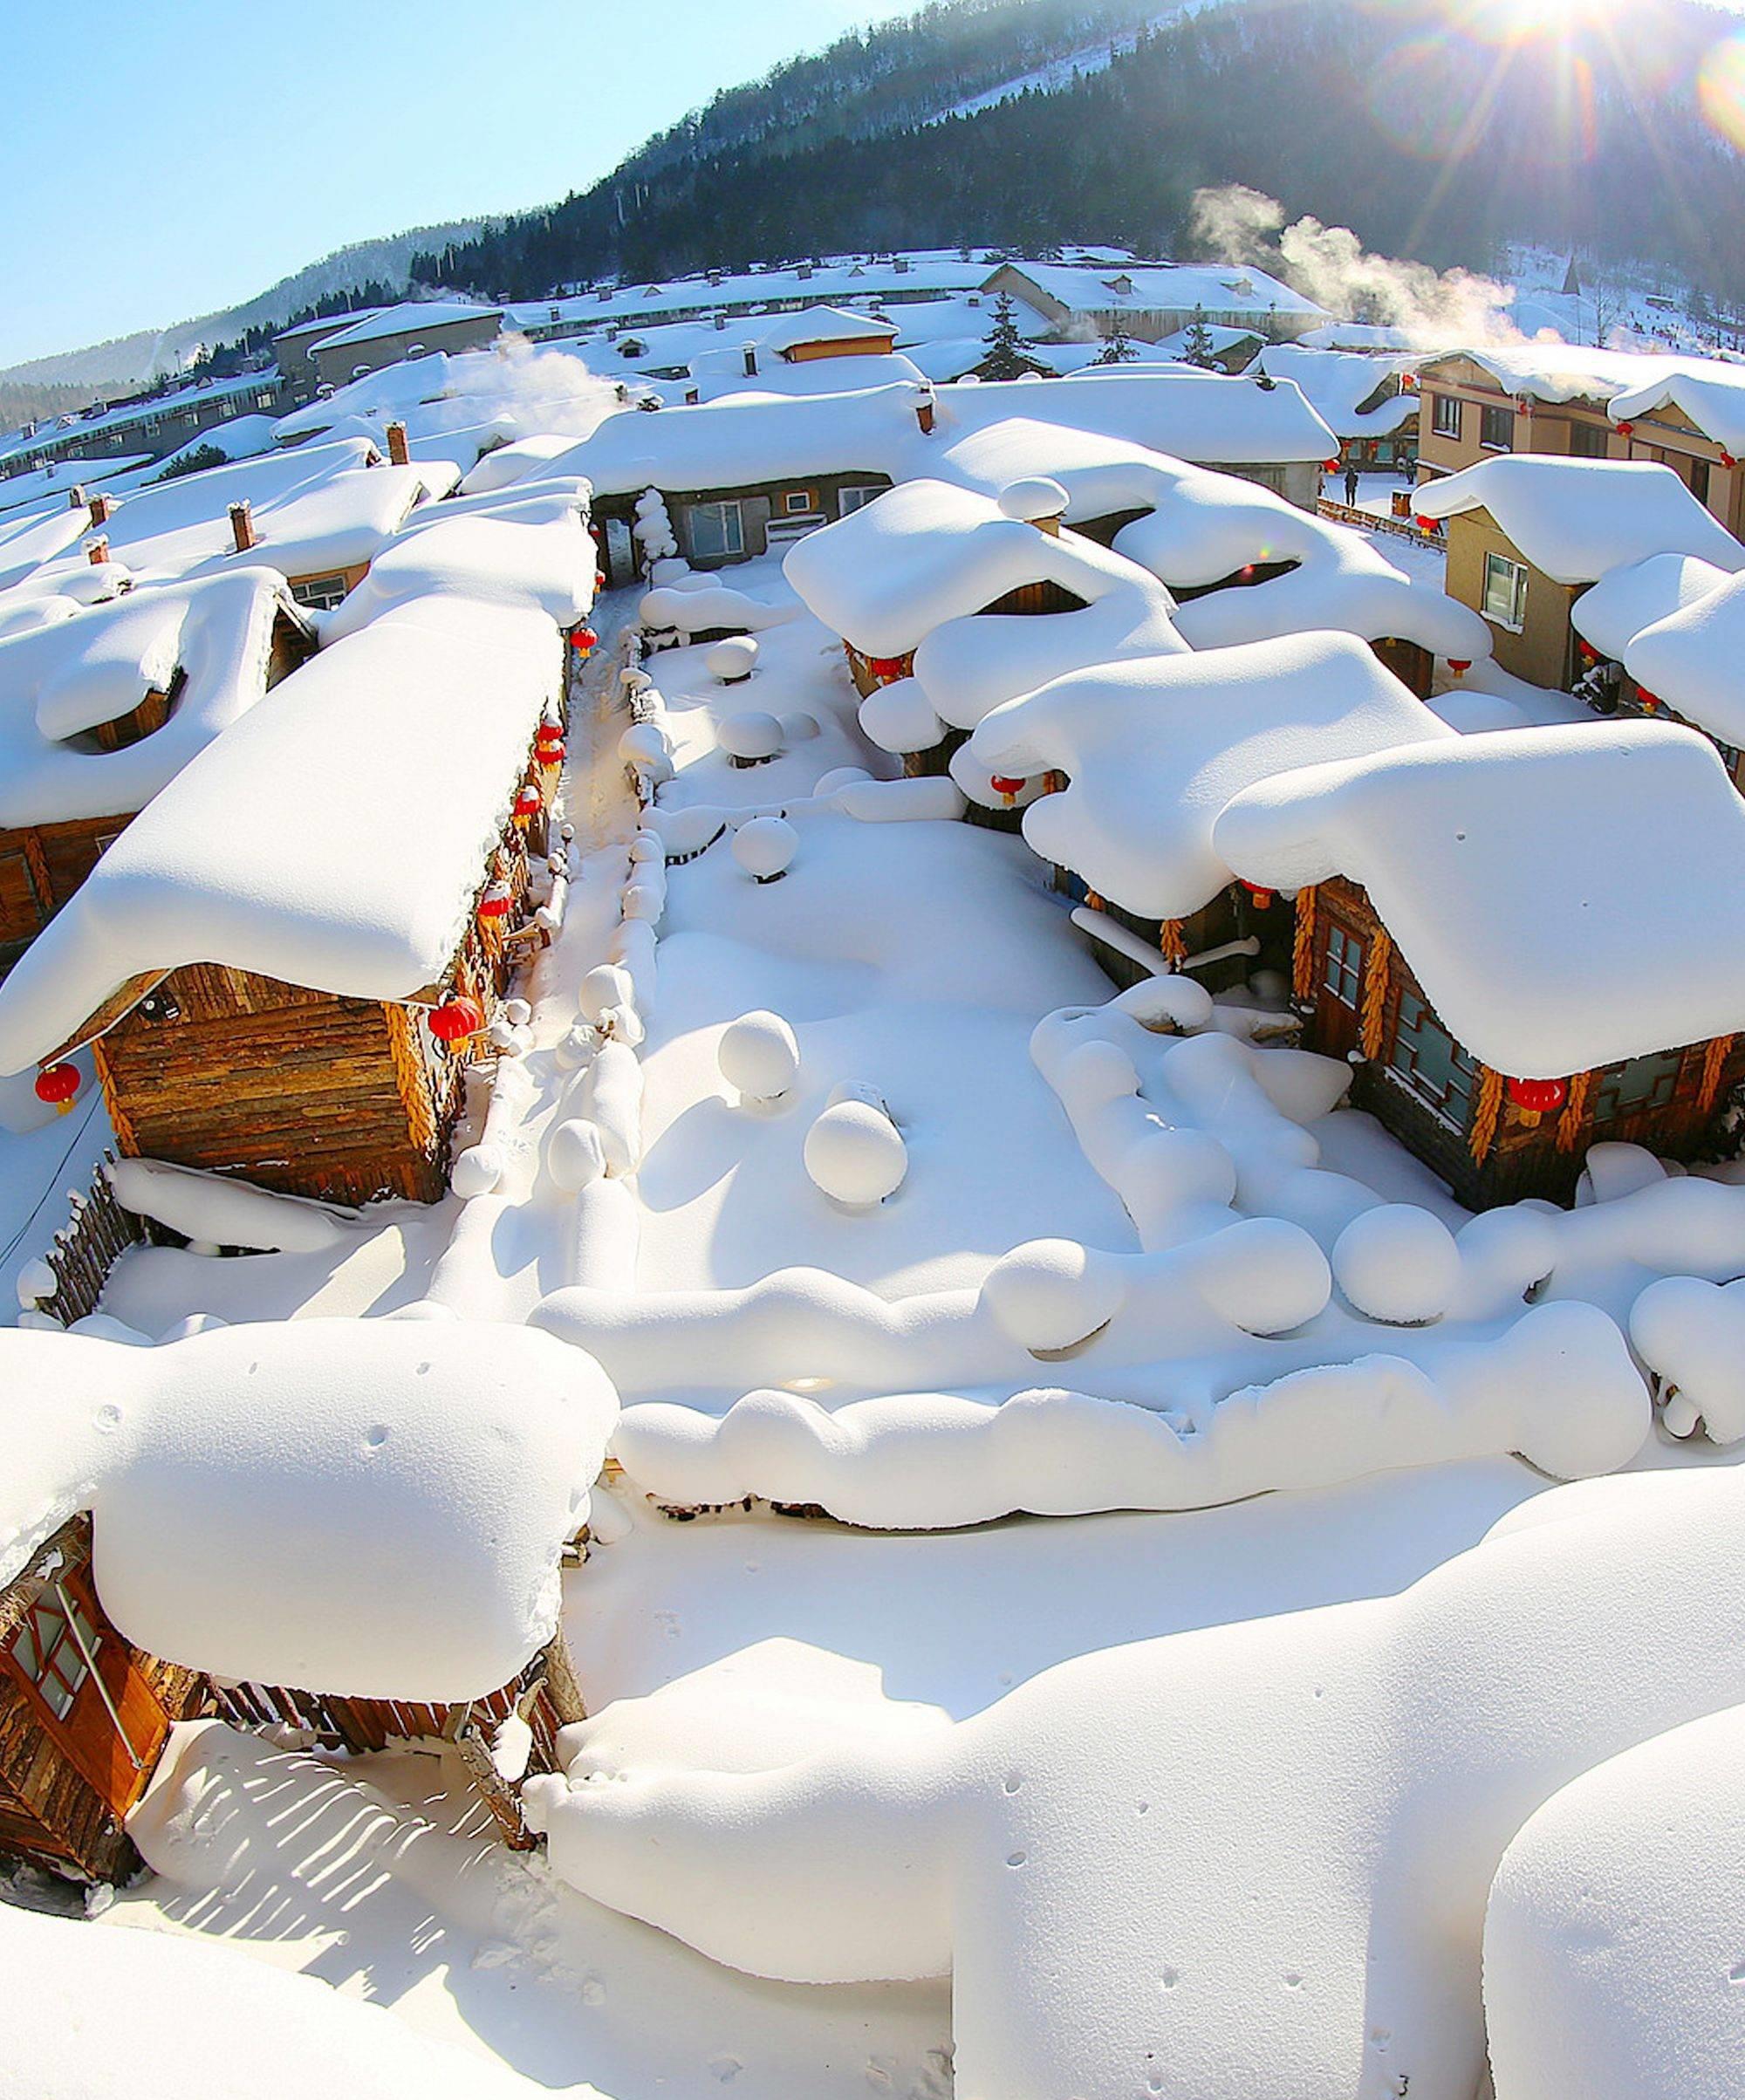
[(1005, 358), (1118, 350), (1196, 347)]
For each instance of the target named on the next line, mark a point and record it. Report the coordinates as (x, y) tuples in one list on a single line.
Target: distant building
[(1150, 301), (398, 331)]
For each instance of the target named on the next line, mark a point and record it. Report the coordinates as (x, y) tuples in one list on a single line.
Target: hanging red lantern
[(1626, 430), (1330, 465), (885, 669), (1459, 664), (599, 580), (1260, 897), (1426, 524), (583, 640), (528, 805), (1538, 1096), (1589, 654), (1649, 700), (496, 904), (58, 1086), (1006, 788), (550, 754), (457, 1019), (1524, 407), (1727, 459)]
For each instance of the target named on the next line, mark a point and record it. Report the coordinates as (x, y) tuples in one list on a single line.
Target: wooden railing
[(88, 1246), (1368, 521)]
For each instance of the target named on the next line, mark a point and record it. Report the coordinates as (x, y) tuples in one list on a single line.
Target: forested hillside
[(1430, 146)]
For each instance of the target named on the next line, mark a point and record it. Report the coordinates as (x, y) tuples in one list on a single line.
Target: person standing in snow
[(1351, 486)]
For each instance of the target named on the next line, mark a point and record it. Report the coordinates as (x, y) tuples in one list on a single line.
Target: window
[(1634, 1089), (1497, 429), (1426, 1056), (1588, 440), (1445, 415), (1699, 480), (856, 499), (717, 529), (321, 593), (44, 1649), (21, 906), (266, 400), (1505, 591), (797, 502), (1343, 972)]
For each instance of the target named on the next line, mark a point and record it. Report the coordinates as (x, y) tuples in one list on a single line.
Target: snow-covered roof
[(27, 541), (1152, 287), (62, 681), (538, 553), (887, 575), (327, 324), (1711, 396), (1556, 373), (1625, 600), (820, 325), (1692, 657), (725, 378), (1340, 383), (316, 509), (409, 319), (1577, 518), (745, 444), (49, 485), (1567, 897), (280, 850), (1154, 750), (365, 1508)]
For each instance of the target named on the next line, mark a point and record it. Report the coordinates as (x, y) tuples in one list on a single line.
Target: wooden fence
[(1367, 521), (88, 1246)]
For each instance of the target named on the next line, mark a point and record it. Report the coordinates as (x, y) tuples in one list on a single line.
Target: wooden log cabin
[(85, 1717), (99, 711), (1525, 942), (283, 968)]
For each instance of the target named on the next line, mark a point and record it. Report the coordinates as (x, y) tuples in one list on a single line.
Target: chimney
[(805, 273), (902, 266), (751, 361), (924, 410), (97, 550), (398, 454), (242, 525), (75, 496), (100, 510), (720, 322), (714, 276)]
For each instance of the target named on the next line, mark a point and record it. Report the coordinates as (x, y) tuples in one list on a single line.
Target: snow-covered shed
[(1151, 751), (353, 1527), (1527, 535), (1362, 399), (99, 710), (271, 979), (1529, 939)]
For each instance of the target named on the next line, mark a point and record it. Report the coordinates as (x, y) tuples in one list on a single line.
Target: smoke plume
[(1437, 310)]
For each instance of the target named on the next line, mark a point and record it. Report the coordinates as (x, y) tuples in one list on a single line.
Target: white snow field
[(1089, 1569)]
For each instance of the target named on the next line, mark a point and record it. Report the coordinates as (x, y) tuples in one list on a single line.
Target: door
[(1339, 957)]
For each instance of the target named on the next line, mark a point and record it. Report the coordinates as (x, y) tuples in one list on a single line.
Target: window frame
[(1493, 416), (1343, 961), (731, 512), (320, 593), (1414, 1032), (54, 1668), (1514, 622), (1448, 417), (855, 496), (1611, 1105)]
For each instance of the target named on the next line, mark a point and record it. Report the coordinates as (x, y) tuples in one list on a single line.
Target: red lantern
[(1258, 896), (1649, 700), (1589, 654), (1003, 784), (599, 579), (1626, 429), (1727, 459), (583, 640), (457, 1019), (1459, 664), (528, 805), (1426, 524), (1538, 1096), (885, 669), (496, 904), (58, 1086), (1330, 465), (550, 754), (1525, 407)]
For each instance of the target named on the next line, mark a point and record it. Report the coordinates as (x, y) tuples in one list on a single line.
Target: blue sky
[(161, 160)]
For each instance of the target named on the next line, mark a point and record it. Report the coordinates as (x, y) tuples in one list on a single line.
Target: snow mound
[(1691, 1333), (1399, 1264), (760, 1055), (749, 736), (733, 661), (856, 1155), (1052, 1295), (765, 847)]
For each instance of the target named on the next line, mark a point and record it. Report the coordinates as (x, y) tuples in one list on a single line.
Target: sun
[(1506, 20)]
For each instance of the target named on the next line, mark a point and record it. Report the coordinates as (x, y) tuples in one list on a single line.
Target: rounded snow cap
[(765, 847), (752, 735), (1052, 1294), (734, 659), (856, 1155), (643, 744), (839, 777), (1034, 498), (574, 1156), (759, 1055), (1399, 1264), (606, 985)]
